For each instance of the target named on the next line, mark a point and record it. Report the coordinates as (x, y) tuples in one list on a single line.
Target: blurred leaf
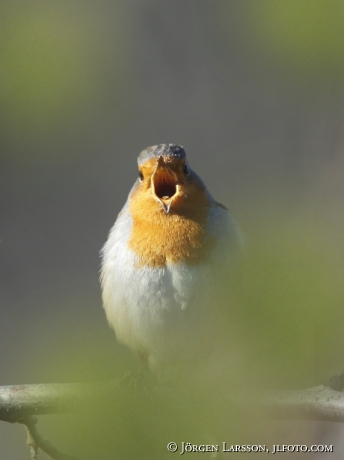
[(291, 296), (303, 36), (49, 71), (301, 40)]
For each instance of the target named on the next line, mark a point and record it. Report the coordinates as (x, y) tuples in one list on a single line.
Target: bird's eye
[(186, 170), (140, 176)]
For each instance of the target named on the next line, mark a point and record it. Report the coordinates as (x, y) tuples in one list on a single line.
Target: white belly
[(162, 313)]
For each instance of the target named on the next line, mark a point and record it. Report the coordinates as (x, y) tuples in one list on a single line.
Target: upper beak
[(165, 184)]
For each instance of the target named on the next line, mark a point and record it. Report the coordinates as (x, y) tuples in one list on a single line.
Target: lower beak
[(164, 184)]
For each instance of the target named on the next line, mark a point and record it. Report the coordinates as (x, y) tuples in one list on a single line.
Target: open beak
[(165, 184)]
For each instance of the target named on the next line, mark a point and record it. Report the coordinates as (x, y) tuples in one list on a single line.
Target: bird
[(163, 264)]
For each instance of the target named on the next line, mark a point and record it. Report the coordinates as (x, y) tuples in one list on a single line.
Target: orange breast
[(179, 236)]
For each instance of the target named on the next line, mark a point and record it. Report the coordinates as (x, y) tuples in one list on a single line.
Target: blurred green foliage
[(290, 298), (283, 322), (304, 35), (298, 38), (50, 76)]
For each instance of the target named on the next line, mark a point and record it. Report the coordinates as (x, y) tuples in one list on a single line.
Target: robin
[(162, 263)]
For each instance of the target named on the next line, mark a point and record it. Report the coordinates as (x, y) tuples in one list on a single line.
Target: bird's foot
[(139, 382)]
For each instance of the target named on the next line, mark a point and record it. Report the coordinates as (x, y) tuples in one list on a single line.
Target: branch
[(318, 403), (20, 401)]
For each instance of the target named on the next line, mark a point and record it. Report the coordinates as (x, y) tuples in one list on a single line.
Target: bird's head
[(165, 177)]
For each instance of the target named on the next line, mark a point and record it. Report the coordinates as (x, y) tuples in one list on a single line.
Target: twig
[(20, 401), (318, 403), (35, 441)]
